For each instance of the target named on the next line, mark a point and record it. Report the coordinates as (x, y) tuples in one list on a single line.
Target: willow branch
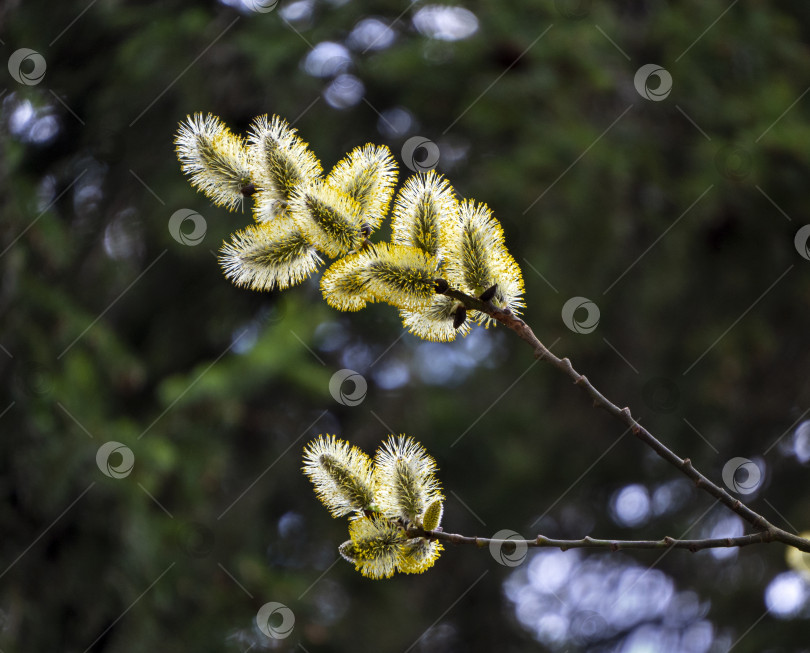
[(684, 465), (542, 542)]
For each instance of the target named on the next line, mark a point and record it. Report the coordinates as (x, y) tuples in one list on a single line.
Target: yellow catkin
[(425, 214), (214, 158), (404, 476), (376, 546), (341, 474), (367, 175), (478, 259), (435, 321), (269, 255), (401, 276), (345, 284), (418, 555), (281, 163), (432, 516), (329, 219)]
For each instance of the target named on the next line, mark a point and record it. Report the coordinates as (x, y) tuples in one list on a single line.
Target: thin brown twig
[(761, 537), (768, 531)]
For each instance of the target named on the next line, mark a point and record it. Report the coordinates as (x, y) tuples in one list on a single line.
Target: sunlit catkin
[(425, 214), (367, 175), (432, 516), (281, 162), (435, 320), (269, 255), (214, 158), (404, 478), (330, 219), (345, 283), (479, 260), (418, 555), (376, 546), (341, 474), (401, 276)]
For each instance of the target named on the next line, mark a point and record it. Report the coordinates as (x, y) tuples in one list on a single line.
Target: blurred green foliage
[(113, 331)]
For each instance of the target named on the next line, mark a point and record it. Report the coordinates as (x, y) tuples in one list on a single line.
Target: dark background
[(112, 330)]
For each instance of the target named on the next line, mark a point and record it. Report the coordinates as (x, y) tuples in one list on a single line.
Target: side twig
[(767, 530), (761, 537)]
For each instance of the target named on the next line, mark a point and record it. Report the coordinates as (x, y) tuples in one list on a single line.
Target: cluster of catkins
[(384, 497), (300, 214)]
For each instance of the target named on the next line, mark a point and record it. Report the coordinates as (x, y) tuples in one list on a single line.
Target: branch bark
[(768, 531), (541, 542)]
